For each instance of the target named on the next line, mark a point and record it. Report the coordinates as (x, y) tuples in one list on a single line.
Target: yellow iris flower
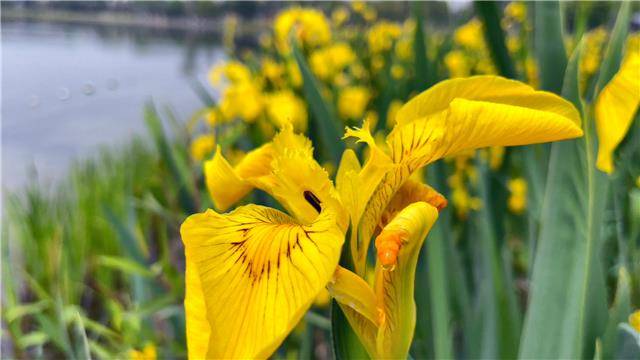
[(616, 106), (253, 273)]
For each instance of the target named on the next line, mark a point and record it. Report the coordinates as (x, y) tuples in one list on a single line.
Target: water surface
[(68, 89)]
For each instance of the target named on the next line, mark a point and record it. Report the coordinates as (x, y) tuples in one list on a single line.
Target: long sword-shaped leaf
[(423, 78), (176, 165), (549, 44), (613, 55), (568, 298), (490, 13), (323, 114)]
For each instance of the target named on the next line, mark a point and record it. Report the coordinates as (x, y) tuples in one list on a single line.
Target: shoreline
[(191, 24)]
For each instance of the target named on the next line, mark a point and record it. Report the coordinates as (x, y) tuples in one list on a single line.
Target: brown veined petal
[(259, 271), (616, 107), (227, 185), (398, 247)]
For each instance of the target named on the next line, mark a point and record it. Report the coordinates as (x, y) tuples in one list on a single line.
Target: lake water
[(68, 89)]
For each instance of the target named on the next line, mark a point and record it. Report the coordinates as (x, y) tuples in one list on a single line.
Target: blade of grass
[(324, 118), (549, 44), (491, 14)]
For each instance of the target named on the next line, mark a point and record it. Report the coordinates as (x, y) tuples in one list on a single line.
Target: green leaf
[(346, 344), (490, 14), (618, 313), (16, 312), (434, 274), (613, 55), (568, 298), (549, 44), (36, 338), (500, 321), (125, 265), (324, 118), (629, 345), (423, 78), (177, 166)]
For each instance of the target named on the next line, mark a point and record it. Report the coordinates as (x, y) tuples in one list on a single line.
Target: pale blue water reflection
[(67, 89)]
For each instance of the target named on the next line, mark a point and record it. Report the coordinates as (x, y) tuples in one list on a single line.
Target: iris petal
[(259, 270), (616, 106)]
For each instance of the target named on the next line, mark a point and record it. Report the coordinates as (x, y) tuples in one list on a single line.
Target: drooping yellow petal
[(227, 185), (198, 329), (259, 272), (398, 247), (460, 115), (484, 88), (616, 107)]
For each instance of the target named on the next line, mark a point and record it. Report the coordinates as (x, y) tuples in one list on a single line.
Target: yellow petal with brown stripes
[(259, 271)]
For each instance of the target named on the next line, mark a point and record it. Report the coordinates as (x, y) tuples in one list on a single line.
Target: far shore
[(188, 24)]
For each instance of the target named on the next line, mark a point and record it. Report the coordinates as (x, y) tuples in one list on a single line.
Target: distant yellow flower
[(617, 105), (456, 63), (212, 117), (634, 320), (233, 71), (339, 16), (353, 101), (202, 146), (382, 36), (592, 53), (358, 6), (397, 71), (516, 10), (517, 201), (147, 353), (370, 14), (404, 49), (327, 62), (272, 70), (243, 100), (307, 25), (284, 107), (470, 35)]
